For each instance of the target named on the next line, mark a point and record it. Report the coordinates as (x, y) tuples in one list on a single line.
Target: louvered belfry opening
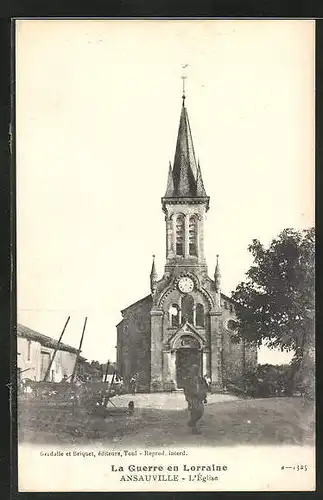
[(180, 234), (193, 235)]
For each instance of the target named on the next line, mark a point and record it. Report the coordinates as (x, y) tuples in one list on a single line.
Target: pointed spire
[(170, 182), (185, 168), (217, 275), (200, 190), (185, 178), (153, 276)]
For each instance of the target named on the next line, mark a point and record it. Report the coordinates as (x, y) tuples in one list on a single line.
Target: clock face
[(185, 284)]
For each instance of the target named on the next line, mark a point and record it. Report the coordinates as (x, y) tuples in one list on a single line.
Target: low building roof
[(44, 340)]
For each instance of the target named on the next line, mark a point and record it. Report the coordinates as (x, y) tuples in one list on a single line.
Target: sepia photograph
[(165, 254)]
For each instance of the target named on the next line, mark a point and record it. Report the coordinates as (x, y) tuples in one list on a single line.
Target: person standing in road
[(134, 383), (207, 379), (195, 390)]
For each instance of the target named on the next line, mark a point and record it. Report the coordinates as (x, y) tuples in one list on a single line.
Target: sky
[(97, 112)]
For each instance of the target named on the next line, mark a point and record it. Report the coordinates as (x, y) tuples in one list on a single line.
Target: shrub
[(264, 382)]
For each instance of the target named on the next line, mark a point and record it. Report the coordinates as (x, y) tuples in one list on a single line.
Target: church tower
[(185, 320), (185, 204), (186, 302)]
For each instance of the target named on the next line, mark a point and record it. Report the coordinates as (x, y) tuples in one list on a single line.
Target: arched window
[(180, 235), (187, 308), (193, 235), (174, 315), (199, 315)]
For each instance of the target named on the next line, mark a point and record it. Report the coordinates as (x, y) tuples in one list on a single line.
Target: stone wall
[(251, 356), (29, 359), (187, 210), (134, 343), (232, 358), (237, 358), (145, 332)]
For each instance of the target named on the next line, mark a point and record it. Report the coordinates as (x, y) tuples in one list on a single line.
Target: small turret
[(170, 182), (200, 191), (153, 277), (217, 276)]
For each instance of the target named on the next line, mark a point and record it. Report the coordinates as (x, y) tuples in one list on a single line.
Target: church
[(186, 319)]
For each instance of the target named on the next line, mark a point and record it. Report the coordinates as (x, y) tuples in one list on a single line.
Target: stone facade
[(186, 319), (134, 342), (35, 351)]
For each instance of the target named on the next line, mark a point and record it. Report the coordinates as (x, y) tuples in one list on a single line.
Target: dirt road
[(161, 420)]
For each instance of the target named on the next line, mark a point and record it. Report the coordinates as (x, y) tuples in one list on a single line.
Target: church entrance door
[(185, 358)]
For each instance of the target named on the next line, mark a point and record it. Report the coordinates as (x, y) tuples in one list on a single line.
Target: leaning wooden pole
[(56, 349), (106, 371), (110, 387), (78, 352), (104, 380)]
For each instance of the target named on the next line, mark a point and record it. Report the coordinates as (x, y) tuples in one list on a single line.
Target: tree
[(277, 298)]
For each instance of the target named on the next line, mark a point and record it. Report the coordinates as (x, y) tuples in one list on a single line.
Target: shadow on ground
[(274, 421)]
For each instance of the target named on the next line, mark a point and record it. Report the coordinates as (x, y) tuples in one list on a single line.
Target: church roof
[(185, 178), (148, 298)]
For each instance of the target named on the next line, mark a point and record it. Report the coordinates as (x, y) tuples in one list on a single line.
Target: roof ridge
[(23, 329)]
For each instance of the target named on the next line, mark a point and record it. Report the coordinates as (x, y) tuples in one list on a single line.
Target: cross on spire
[(184, 77), (184, 96)]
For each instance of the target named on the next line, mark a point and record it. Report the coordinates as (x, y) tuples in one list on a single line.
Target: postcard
[(165, 254)]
